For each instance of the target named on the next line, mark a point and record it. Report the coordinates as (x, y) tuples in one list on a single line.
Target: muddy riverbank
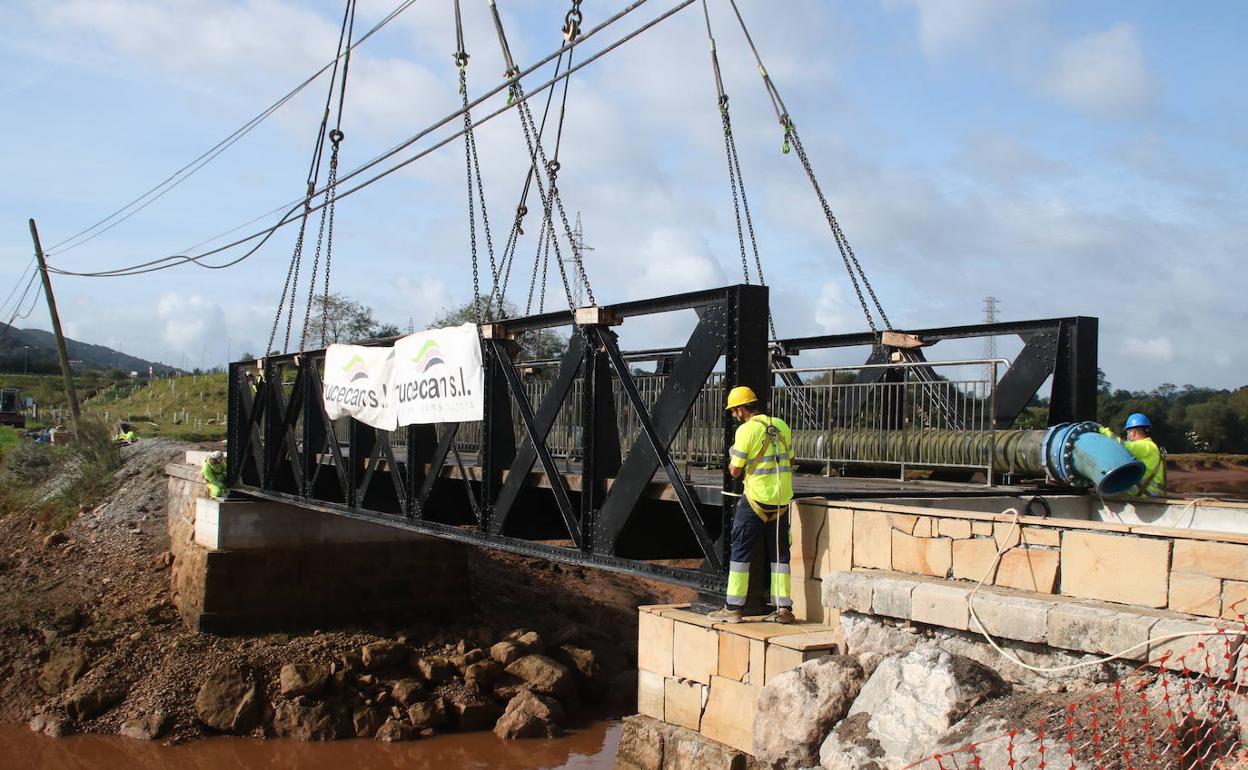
[(91, 643)]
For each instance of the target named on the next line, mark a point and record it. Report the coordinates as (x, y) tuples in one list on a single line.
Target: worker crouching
[(214, 474), (762, 454)]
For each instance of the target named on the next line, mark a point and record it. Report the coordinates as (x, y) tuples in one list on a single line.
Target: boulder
[(641, 744), (65, 665), (530, 642), (464, 660), (51, 725), (799, 707), (579, 635), (991, 738), (509, 686), (436, 669), (582, 663), (483, 674), (384, 654), (296, 679), (394, 730), (851, 747), (228, 700), (529, 715), (407, 691), (305, 720), (429, 714), (506, 652), (545, 677), (366, 721), (473, 712), (147, 727), (88, 701), (913, 699)]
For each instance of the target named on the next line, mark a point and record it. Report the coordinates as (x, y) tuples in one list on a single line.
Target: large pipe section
[(1075, 454)]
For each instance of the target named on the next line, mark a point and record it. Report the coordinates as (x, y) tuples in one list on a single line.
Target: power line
[(264, 235), (184, 173)]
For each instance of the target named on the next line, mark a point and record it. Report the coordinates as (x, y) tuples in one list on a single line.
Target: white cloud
[(190, 324), (833, 313), (945, 25), (1154, 349), (1103, 74)]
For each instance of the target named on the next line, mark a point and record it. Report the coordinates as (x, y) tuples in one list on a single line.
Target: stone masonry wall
[(1187, 571), (227, 591)]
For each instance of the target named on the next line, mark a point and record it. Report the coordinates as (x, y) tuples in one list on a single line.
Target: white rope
[(1213, 630)]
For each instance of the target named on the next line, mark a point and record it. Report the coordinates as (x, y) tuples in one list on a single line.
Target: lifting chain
[(291, 271), (327, 218), (332, 196)]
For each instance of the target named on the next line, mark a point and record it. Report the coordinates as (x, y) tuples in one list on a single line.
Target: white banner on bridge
[(438, 376), (357, 384)]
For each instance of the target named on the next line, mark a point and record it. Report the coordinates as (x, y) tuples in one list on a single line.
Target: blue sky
[(1068, 158)]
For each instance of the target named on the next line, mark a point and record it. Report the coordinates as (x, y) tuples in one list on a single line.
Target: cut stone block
[(891, 596), (955, 528), (758, 663), (831, 640), (1217, 653), (840, 523), (729, 714), (1234, 600), (922, 556), (924, 527), (872, 540), (734, 656), (981, 527), (972, 559), (654, 644), (1222, 560), (759, 630), (695, 653), (848, 591), (1040, 536), (903, 522), (807, 599), (1009, 616), (1128, 570), (940, 604), (681, 615), (781, 659), (650, 695), (1029, 569), (1196, 594), (1101, 630), (1006, 534), (683, 702), (810, 538)]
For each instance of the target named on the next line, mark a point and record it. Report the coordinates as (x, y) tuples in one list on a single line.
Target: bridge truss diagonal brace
[(658, 429), (537, 428), (319, 437), (424, 445), (243, 441), (282, 419)]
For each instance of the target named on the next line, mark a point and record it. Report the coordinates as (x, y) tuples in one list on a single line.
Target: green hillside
[(190, 408)]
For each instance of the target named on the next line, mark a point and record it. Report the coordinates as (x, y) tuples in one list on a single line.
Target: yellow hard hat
[(740, 395)]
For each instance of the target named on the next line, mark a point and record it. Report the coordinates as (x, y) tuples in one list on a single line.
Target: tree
[(344, 320)]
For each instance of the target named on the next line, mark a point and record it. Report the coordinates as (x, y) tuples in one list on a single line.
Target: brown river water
[(589, 748)]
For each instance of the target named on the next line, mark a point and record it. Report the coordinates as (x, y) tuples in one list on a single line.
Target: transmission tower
[(990, 343), (569, 262)]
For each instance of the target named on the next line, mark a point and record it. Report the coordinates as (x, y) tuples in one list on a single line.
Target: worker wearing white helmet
[(214, 473)]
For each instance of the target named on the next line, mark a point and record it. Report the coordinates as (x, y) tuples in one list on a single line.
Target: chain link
[(332, 195), (572, 22), (326, 218), (472, 217), (290, 270)]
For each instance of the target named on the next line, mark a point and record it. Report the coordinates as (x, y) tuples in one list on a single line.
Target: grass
[(190, 408), (53, 483), (1207, 460), (8, 440)]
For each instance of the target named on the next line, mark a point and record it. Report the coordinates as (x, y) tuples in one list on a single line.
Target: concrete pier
[(242, 565)]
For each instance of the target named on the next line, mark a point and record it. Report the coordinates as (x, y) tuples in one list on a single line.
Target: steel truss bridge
[(613, 458)]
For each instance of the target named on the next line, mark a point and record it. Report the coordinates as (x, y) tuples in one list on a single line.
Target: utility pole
[(578, 250), (990, 343), (56, 329)]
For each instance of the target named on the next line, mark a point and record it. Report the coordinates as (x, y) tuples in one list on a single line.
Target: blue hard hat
[(1137, 420)]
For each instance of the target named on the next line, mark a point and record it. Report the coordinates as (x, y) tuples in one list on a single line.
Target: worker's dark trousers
[(746, 529)]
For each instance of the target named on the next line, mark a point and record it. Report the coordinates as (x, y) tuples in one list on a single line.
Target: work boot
[(726, 615), (782, 615)]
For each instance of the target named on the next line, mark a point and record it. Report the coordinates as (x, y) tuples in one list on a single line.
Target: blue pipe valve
[(1077, 454)]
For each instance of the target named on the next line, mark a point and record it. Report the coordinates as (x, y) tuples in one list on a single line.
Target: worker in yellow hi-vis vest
[(762, 452)]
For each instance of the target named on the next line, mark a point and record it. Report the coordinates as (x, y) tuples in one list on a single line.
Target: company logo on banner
[(357, 384), (438, 376)]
